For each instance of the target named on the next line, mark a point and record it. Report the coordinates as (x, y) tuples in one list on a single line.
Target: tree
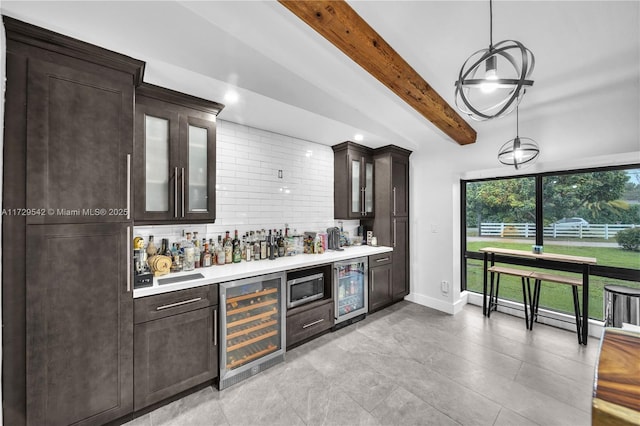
[(596, 195), (504, 200)]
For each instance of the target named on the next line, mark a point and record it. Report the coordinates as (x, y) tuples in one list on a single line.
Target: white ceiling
[(290, 80)]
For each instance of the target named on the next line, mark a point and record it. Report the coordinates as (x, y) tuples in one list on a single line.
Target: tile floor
[(410, 365)]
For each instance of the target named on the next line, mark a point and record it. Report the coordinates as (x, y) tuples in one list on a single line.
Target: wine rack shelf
[(264, 292), (252, 340), (251, 307)]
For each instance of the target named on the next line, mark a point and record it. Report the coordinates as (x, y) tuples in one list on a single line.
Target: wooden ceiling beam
[(344, 28)]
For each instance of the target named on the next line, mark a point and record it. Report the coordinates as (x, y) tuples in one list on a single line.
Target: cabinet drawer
[(310, 322), (380, 259), (176, 302)]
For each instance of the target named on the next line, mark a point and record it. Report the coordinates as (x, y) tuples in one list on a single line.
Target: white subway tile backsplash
[(250, 195)]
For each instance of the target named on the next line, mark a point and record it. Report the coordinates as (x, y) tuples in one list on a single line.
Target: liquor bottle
[(204, 246), (237, 252), (205, 257), (220, 252), (243, 247), (197, 250), (189, 262), (263, 245), (151, 248), (272, 249), (228, 250), (256, 247), (248, 255), (163, 246), (235, 240), (167, 251), (280, 244)]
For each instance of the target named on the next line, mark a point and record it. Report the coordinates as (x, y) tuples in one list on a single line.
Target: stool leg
[(530, 325), (493, 303), (495, 298), (535, 302), (525, 302), (576, 308)]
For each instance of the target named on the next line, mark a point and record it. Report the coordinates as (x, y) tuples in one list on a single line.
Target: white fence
[(528, 230)]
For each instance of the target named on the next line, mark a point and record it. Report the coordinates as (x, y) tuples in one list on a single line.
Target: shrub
[(629, 239)]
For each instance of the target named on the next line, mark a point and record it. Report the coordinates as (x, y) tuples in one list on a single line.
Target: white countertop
[(218, 274)]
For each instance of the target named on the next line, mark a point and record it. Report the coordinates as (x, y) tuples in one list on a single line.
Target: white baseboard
[(437, 304)]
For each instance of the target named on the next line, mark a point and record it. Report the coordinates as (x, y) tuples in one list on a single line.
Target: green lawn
[(557, 296)]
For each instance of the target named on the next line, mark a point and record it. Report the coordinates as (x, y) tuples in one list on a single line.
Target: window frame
[(625, 274)]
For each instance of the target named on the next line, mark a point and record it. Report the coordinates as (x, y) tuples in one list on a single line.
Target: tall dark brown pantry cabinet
[(391, 224), (67, 293), (175, 157)]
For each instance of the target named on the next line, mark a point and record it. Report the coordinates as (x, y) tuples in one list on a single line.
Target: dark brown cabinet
[(175, 157), (176, 343), (308, 321), (67, 299), (380, 281), (353, 181), (391, 224), (79, 324), (79, 127)]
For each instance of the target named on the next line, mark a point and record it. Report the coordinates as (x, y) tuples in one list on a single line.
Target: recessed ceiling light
[(231, 96), (358, 137)]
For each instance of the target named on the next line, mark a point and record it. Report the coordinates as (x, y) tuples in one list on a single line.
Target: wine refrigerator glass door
[(351, 296), (252, 326)]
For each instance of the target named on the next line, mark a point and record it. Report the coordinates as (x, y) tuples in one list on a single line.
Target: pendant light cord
[(490, 24), (517, 121)]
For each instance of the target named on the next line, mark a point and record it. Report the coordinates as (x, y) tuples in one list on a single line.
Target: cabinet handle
[(394, 200), (175, 192), (215, 327), (373, 282), (128, 259), (128, 186), (364, 210), (173, 305), (394, 232), (382, 260), (183, 192), (313, 323)]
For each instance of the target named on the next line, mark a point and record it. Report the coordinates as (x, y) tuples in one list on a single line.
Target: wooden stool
[(526, 292), (560, 279)]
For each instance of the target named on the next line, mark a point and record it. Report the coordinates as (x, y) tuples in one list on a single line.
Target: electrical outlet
[(444, 286)]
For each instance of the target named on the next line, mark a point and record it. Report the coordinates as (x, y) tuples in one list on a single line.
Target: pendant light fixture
[(492, 81), (518, 152)]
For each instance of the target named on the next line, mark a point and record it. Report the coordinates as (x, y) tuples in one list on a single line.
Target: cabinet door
[(79, 144), (380, 281), (79, 324), (156, 168), (197, 177), (400, 241), (368, 186), (356, 185), (400, 186), (175, 353)]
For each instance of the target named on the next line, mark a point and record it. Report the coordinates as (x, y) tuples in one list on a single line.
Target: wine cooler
[(252, 336), (350, 289)]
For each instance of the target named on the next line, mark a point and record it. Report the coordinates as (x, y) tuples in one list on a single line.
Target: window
[(578, 213)]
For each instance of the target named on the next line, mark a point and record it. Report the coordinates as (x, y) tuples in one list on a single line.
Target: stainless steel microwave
[(305, 289)]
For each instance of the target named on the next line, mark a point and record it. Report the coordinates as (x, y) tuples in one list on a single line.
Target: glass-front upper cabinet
[(174, 157), (353, 181)]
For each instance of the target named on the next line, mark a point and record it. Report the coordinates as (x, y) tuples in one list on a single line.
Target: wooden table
[(586, 262), (616, 390)]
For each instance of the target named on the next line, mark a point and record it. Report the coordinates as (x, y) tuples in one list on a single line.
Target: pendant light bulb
[(490, 76)]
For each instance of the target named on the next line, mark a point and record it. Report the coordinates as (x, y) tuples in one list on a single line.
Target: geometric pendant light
[(492, 81), (518, 152)]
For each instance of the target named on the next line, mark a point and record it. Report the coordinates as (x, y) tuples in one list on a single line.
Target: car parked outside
[(571, 223)]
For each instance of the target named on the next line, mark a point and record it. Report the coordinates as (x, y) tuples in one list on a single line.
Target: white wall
[(251, 196)]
